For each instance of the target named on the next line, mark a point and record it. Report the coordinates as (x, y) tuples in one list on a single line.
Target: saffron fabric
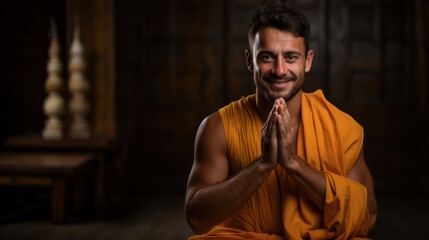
[(330, 141)]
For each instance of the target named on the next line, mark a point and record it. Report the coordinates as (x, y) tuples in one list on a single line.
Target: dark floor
[(155, 217), (401, 217), (162, 218)]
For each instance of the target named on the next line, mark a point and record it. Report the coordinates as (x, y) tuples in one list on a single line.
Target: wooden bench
[(61, 171)]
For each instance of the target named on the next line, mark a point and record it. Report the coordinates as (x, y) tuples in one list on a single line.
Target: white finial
[(79, 88), (54, 103)]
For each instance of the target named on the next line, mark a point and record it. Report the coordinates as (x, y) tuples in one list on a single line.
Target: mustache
[(273, 77)]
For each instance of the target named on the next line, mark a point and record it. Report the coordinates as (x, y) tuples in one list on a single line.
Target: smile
[(278, 83)]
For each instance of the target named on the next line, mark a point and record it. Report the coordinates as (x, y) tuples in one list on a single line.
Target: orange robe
[(330, 141)]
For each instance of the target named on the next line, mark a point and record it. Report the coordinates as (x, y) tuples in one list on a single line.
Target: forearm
[(210, 205), (329, 192), (313, 183), (310, 180)]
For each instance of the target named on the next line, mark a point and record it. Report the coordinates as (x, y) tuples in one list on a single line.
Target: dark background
[(167, 64)]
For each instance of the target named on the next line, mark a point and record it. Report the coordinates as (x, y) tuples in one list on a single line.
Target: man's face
[(278, 63)]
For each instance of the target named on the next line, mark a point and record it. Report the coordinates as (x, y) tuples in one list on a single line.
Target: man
[(280, 164)]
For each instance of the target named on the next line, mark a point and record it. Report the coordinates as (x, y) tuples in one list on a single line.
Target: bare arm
[(211, 195), (360, 173)]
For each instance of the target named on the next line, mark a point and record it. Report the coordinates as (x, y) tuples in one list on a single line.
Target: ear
[(249, 60), (309, 60)]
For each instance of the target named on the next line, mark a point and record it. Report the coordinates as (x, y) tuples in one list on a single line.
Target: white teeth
[(279, 82)]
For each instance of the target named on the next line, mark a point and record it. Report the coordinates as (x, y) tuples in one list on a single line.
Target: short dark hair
[(275, 13)]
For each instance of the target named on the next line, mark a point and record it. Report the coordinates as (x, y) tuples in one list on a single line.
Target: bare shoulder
[(211, 126), (210, 161), (210, 143)]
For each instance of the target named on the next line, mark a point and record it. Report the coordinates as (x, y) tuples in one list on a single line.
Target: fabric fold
[(346, 212)]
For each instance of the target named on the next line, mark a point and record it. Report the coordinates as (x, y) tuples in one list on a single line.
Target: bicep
[(210, 162), (361, 174)]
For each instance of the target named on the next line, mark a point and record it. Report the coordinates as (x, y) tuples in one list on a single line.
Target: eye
[(266, 58), (291, 58)]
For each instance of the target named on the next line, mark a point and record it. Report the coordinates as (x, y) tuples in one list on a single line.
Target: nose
[(280, 67)]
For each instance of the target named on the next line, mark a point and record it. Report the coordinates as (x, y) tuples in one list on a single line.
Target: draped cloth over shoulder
[(330, 141)]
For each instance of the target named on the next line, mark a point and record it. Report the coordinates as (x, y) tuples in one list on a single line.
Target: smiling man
[(280, 164)]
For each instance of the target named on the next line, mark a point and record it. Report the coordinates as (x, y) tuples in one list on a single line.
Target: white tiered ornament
[(79, 87), (54, 104)]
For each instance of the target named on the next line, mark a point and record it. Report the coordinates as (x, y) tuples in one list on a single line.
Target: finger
[(269, 136), (285, 114), (282, 112), (267, 128), (274, 123), (282, 130), (270, 115), (281, 103)]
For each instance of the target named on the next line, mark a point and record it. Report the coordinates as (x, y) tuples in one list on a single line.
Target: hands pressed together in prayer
[(278, 143), (278, 137)]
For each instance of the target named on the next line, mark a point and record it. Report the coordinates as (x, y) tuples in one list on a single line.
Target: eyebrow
[(272, 53)]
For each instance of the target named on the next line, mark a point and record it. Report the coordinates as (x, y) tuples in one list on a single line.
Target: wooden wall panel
[(372, 79), (422, 37), (172, 81), (238, 80)]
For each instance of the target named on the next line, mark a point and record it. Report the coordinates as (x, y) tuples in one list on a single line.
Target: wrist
[(266, 165), (293, 163)]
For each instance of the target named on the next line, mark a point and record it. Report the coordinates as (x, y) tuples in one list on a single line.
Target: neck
[(264, 107)]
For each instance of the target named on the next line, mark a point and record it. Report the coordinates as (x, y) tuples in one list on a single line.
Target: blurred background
[(157, 68)]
